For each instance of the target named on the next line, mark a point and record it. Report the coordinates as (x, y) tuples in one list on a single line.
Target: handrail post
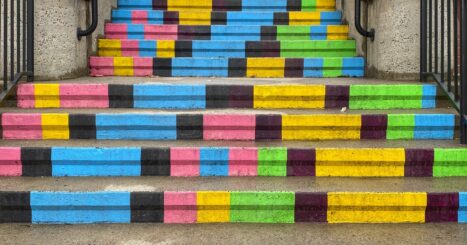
[(30, 41), (93, 26), (423, 39), (463, 85), (358, 25)]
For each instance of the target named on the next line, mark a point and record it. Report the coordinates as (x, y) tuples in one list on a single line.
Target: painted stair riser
[(160, 96), (191, 17), (231, 207), (227, 67), (226, 127), (233, 162), (227, 49), (222, 33), (232, 5)]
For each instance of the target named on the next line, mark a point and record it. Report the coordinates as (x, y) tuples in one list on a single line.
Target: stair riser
[(158, 96), (232, 162), (226, 18), (226, 127), (225, 67), (231, 207)]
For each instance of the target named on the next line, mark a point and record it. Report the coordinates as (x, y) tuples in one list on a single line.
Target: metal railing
[(18, 43), (94, 21), (358, 16), (443, 51)]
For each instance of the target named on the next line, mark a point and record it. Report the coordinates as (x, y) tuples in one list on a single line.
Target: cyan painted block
[(169, 96), (147, 48), (229, 49), (96, 161), (435, 126), (462, 215), (80, 208), (318, 33), (331, 18), (136, 127), (135, 4), (135, 31), (121, 16), (353, 67), (214, 162), (429, 96), (313, 67), (226, 32), (250, 18), (156, 17), (200, 67), (264, 5)]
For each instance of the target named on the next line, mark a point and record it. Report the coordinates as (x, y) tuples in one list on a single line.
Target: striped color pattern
[(103, 126), (232, 161), (231, 207)]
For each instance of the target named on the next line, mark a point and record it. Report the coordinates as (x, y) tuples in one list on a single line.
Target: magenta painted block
[(139, 17), (116, 31), (180, 207), (419, 162), (101, 66), (130, 48), (442, 207), (243, 162), (301, 162), (84, 96), (311, 207), (10, 161), (161, 32), (25, 95), (229, 127), (184, 162), (142, 67), (22, 126)]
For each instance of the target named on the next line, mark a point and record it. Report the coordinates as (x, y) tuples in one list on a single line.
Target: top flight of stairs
[(285, 126)]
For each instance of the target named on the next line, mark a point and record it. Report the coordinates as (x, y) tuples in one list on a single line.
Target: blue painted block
[(434, 126), (200, 67), (80, 208), (331, 18), (264, 5), (429, 96), (319, 33), (156, 17), (462, 214), (135, 31), (313, 67), (136, 127), (135, 4), (214, 162), (96, 161), (229, 49), (169, 96), (147, 48), (252, 18), (353, 67), (245, 33), (121, 16)]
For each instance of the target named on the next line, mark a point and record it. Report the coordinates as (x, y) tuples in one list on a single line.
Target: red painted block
[(161, 32), (22, 126), (243, 162), (139, 17), (101, 66), (116, 31), (10, 161), (229, 127), (84, 96), (184, 162), (25, 94), (180, 207), (142, 67)]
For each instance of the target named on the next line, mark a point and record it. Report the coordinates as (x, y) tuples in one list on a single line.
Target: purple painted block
[(311, 207), (171, 18), (419, 162), (337, 96), (374, 126), (268, 127), (241, 96), (301, 162), (293, 68), (442, 207)]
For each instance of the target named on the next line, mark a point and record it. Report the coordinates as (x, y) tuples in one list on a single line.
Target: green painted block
[(450, 163), (262, 207), (293, 33), (386, 96), (309, 5), (272, 162), (314, 49), (400, 126), (332, 67)]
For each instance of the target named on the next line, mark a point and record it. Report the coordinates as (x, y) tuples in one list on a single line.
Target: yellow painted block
[(326, 4), (55, 127), (376, 207), (213, 207), (192, 5), (304, 18), (289, 96), (338, 32), (47, 95), (166, 49), (195, 18), (123, 66), (110, 47), (320, 127), (360, 162), (265, 67)]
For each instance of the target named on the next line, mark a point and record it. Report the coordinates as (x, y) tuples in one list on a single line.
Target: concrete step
[(227, 67), (225, 32), (233, 5)]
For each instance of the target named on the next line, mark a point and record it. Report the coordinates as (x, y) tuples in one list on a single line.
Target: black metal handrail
[(94, 21), (358, 16), (443, 56), (19, 43)]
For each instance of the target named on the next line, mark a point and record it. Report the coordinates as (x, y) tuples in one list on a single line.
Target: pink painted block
[(116, 31), (130, 48), (243, 162), (180, 207), (142, 67), (184, 162), (84, 96), (10, 161), (229, 127), (139, 17), (101, 66), (25, 96), (161, 32), (20, 126)]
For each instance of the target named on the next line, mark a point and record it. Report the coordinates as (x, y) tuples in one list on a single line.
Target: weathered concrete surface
[(144, 234)]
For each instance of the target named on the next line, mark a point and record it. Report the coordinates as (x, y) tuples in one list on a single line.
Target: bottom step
[(233, 207)]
